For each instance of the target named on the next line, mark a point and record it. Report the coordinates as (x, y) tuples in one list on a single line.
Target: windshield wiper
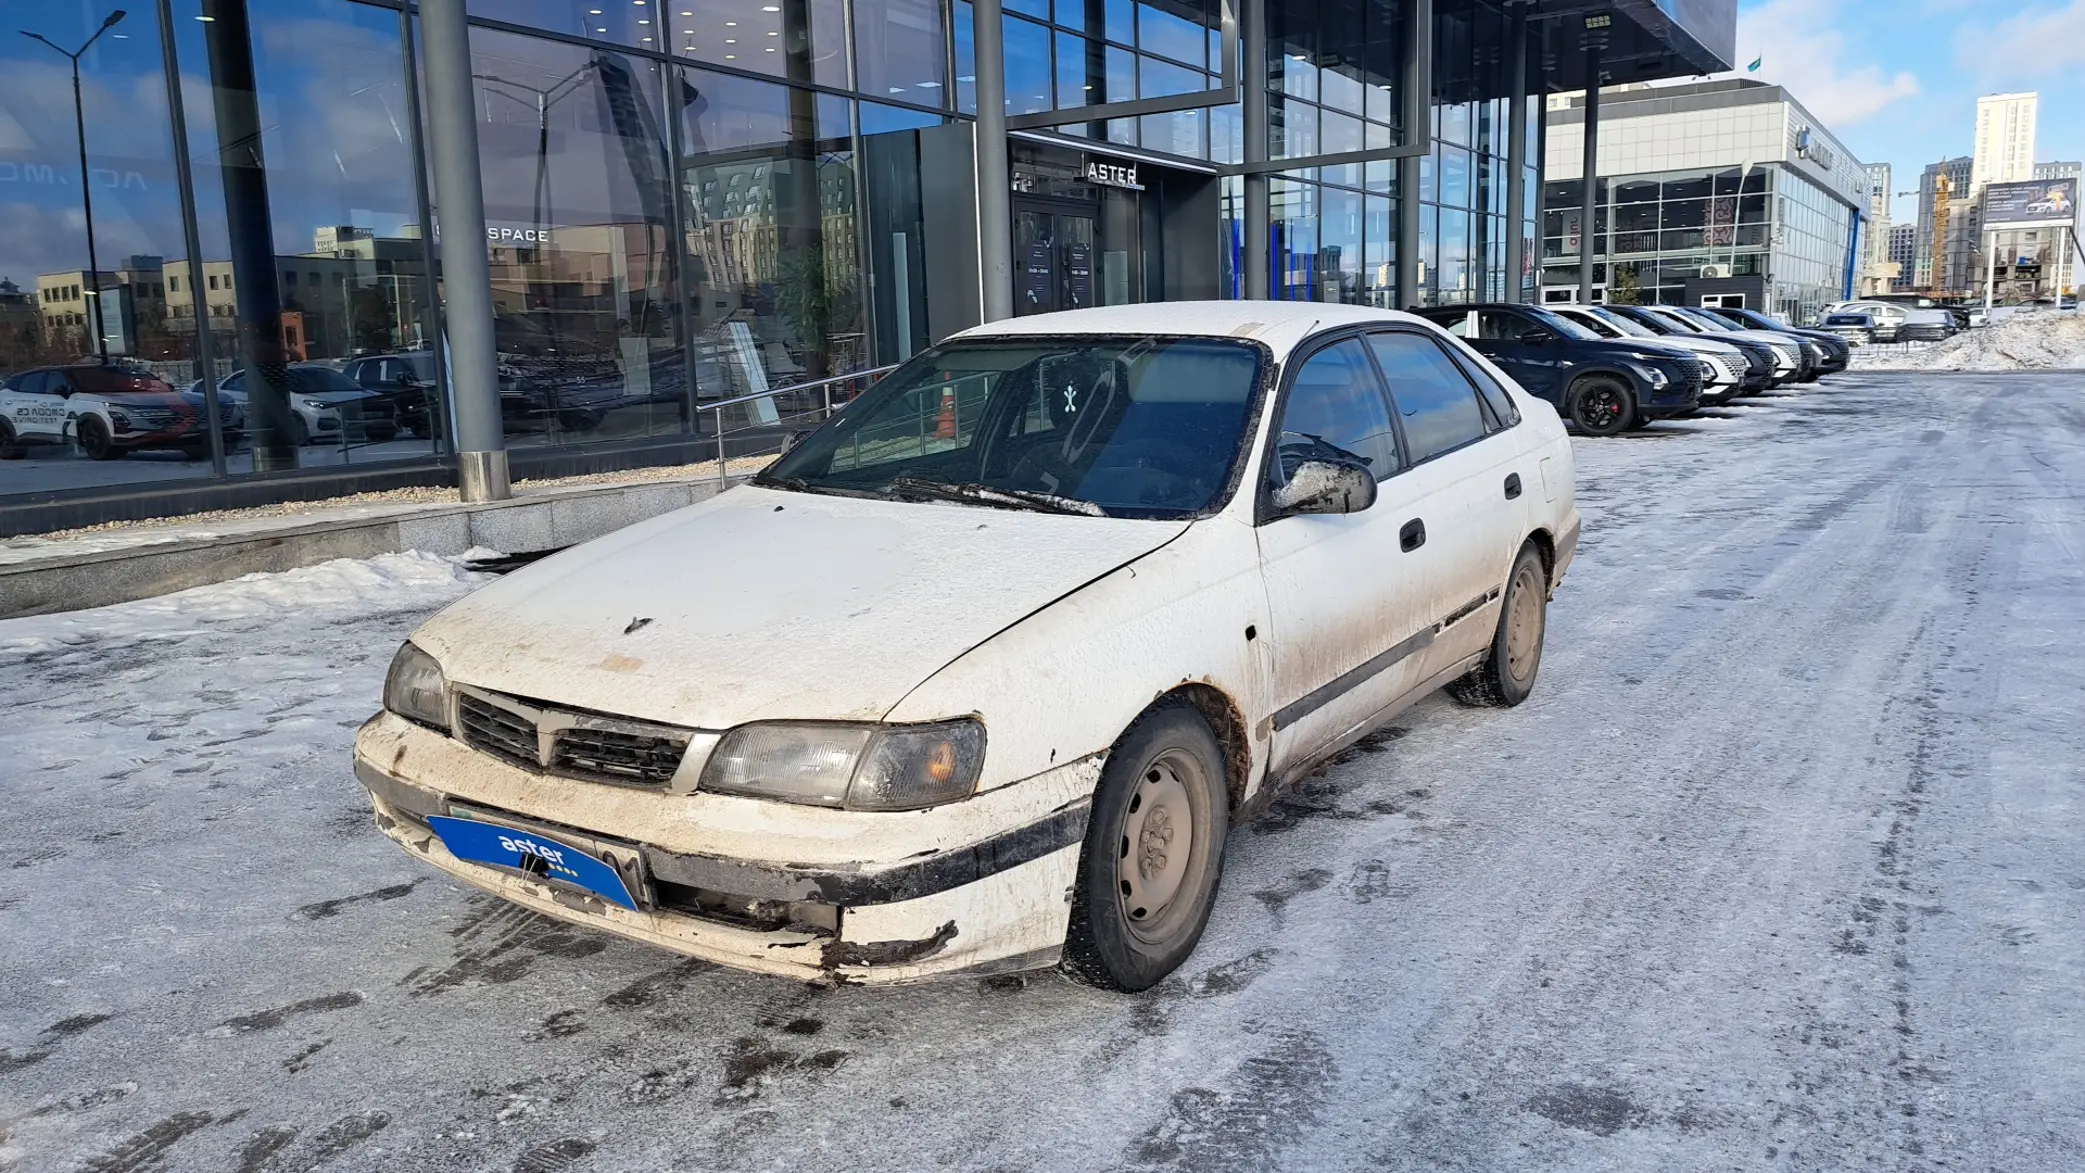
[(972, 493)]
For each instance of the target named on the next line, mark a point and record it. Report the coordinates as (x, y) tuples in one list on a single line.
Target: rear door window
[(1435, 401)]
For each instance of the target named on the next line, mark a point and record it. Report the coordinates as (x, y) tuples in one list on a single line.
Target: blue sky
[(1897, 80)]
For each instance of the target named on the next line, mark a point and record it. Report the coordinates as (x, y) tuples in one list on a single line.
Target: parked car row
[(1610, 368)]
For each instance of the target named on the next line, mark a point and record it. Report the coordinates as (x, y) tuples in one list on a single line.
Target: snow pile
[(2030, 340)]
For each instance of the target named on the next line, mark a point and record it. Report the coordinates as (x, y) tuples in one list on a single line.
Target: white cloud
[(1799, 47), (2037, 42)]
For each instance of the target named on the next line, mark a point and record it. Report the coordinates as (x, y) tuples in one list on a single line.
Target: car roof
[(1281, 325)]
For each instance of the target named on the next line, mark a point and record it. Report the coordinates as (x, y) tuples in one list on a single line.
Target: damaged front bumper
[(979, 886)]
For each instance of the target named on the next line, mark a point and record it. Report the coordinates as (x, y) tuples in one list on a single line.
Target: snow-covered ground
[(1779, 869)]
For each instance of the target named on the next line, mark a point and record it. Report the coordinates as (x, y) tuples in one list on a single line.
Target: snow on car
[(978, 675)]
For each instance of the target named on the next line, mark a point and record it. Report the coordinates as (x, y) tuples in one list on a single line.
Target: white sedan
[(977, 677)]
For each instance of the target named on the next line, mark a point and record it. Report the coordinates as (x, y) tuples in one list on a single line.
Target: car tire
[(1601, 405), (9, 449), (194, 452), (1508, 672), (95, 440), (300, 432), (382, 435), (1165, 775)]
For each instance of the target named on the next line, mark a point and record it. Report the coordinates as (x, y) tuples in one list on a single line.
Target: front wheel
[(1601, 406), (95, 440), (10, 449), (1507, 675), (1153, 855)]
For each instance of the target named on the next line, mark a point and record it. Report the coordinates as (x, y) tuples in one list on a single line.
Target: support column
[(995, 246), (1517, 152), (243, 173), (452, 128), (1417, 84), (1589, 176), (191, 238), (1253, 279)]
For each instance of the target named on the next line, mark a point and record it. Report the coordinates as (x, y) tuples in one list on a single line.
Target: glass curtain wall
[(1463, 228), (314, 260), (1332, 74), (1666, 229)]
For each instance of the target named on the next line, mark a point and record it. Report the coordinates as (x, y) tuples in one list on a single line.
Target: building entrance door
[(1053, 250)]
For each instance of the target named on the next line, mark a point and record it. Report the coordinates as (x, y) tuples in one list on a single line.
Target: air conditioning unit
[(1715, 270)]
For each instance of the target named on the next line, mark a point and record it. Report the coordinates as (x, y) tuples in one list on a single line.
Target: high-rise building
[(2004, 140), (1943, 191), (1876, 276), (2059, 170), (1903, 253)]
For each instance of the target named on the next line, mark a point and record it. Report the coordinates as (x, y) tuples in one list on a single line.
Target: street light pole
[(79, 120)]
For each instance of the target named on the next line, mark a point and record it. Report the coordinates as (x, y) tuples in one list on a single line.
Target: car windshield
[(116, 381), (1701, 319), (1597, 325), (1127, 426), (1561, 324), (1624, 323), (1676, 323), (320, 380)]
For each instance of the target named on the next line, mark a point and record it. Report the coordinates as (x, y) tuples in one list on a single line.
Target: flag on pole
[(1754, 67)]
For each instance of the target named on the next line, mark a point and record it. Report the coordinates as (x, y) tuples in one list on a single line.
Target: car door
[(38, 408), (1472, 479), (1535, 355), (1343, 615)]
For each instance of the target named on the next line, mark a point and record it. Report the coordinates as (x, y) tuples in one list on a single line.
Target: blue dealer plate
[(536, 855)]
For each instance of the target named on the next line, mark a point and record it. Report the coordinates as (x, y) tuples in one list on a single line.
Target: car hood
[(1700, 345), (1619, 348), (172, 399), (762, 604)]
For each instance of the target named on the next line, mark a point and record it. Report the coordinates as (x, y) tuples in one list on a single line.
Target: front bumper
[(977, 886)]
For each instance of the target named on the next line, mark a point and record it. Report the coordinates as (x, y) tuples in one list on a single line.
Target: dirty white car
[(977, 676)]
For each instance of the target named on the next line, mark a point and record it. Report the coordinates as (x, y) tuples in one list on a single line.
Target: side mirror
[(1326, 486), (1534, 337)]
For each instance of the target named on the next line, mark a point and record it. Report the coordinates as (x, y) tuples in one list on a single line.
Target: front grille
[(629, 757), (582, 745), (497, 731)]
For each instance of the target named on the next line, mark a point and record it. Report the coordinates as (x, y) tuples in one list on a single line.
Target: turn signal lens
[(909, 767)]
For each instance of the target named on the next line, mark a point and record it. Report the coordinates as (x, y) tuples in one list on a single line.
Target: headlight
[(1657, 376), (121, 421), (856, 767), (416, 689), (313, 404)]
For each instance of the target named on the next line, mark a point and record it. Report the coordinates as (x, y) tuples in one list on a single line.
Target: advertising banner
[(2026, 205)]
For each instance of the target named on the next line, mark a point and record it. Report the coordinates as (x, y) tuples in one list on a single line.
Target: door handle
[(1412, 536), (1512, 486)]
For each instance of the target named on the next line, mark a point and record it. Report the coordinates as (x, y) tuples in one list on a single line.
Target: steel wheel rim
[(1159, 847), (1524, 626)]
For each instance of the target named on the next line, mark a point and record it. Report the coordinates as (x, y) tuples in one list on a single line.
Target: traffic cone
[(945, 423)]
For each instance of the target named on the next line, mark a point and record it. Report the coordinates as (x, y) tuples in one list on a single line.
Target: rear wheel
[(1507, 675), (10, 449), (1153, 854), (95, 440), (1601, 405)]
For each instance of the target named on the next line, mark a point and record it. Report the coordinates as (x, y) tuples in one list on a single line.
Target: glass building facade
[(692, 201), (1714, 193)]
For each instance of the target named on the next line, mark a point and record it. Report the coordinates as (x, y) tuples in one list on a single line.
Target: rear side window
[(1336, 409), (1434, 400), (1497, 398)]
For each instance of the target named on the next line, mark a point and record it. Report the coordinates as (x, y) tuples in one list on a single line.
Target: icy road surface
[(1782, 868)]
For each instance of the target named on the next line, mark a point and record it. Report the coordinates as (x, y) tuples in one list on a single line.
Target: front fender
[(1065, 682)]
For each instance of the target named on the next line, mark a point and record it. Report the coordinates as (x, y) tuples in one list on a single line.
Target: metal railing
[(822, 412)]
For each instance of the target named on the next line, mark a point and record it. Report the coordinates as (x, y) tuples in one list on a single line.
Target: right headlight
[(416, 689), (855, 767)]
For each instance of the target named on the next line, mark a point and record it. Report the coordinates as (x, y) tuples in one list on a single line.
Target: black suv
[(1599, 386)]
